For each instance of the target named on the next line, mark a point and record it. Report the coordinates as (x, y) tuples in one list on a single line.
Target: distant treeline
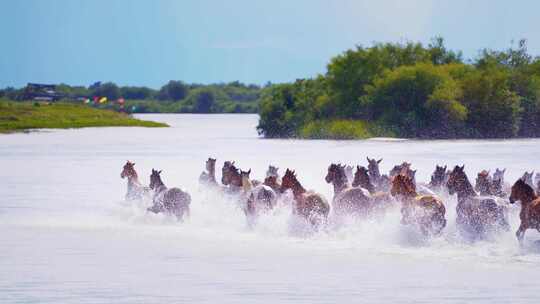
[(173, 97), (410, 90)]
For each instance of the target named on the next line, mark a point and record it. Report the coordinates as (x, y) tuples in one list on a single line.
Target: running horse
[(530, 207), (272, 179), (438, 178), (380, 200), (135, 190), (381, 182), (477, 216), (168, 200), (208, 177), (427, 212), (309, 205), (483, 183), (231, 177), (347, 200), (259, 199)]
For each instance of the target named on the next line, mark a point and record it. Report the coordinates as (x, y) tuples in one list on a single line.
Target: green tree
[(173, 90)]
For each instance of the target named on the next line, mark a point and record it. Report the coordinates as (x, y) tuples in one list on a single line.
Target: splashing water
[(67, 235)]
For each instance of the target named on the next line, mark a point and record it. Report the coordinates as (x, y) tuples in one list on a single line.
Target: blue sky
[(135, 42)]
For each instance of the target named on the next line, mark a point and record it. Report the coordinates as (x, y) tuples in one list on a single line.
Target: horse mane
[(526, 188)]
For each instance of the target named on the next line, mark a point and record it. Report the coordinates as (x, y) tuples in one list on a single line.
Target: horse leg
[(520, 233)]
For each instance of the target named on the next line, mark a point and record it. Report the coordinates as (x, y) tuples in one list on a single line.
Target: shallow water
[(67, 236)]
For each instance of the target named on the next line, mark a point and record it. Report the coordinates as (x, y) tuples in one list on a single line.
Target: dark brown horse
[(425, 211), (477, 216), (380, 200), (208, 177), (168, 200), (310, 205), (135, 190), (530, 207), (347, 200)]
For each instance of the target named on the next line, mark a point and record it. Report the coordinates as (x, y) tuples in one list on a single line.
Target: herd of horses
[(481, 209)]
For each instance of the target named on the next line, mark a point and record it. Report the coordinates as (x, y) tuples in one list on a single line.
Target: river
[(68, 236)]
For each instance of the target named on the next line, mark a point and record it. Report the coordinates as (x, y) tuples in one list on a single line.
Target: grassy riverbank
[(19, 116)]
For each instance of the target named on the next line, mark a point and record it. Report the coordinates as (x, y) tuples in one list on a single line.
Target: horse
[(476, 215), (168, 200), (347, 200), (483, 183), (208, 177), (427, 212), (135, 190), (438, 178), (530, 207), (231, 177), (404, 169), (260, 198), (381, 182), (272, 171), (380, 200), (309, 205)]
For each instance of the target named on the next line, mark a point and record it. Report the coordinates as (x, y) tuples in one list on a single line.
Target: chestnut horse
[(231, 177), (312, 206), (425, 211), (476, 215), (208, 177), (168, 200), (347, 200), (530, 207), (135, 190)]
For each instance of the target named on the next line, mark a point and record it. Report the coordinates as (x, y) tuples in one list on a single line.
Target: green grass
[(344, 129), (19, 116)]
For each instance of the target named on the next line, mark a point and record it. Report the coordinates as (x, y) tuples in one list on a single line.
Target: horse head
[(211, 164), (128, 170), (403, 185), (373, 166), (521, 191), (456, 179), (272, 171), (289, 181), (155, 179)]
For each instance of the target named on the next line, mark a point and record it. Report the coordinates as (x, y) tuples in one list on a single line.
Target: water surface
[(67, 236)]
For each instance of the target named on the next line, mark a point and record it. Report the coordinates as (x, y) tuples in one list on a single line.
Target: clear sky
[(134, 42)]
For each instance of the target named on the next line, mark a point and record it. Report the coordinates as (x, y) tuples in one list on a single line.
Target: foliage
[(408, 90)]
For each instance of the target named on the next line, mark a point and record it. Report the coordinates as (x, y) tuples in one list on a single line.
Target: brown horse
[(425, 211), (135, 190), (168, 200), (530, 207), (380, 200), (347, 200), (483, 183), (477, 216), (439, 178), (310, 205), (404, 169), (208, 177), (231, 177)]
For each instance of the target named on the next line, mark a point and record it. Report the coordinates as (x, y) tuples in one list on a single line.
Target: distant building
[(42, 92)]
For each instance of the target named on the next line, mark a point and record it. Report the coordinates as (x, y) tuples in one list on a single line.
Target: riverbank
[(15, 117)]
